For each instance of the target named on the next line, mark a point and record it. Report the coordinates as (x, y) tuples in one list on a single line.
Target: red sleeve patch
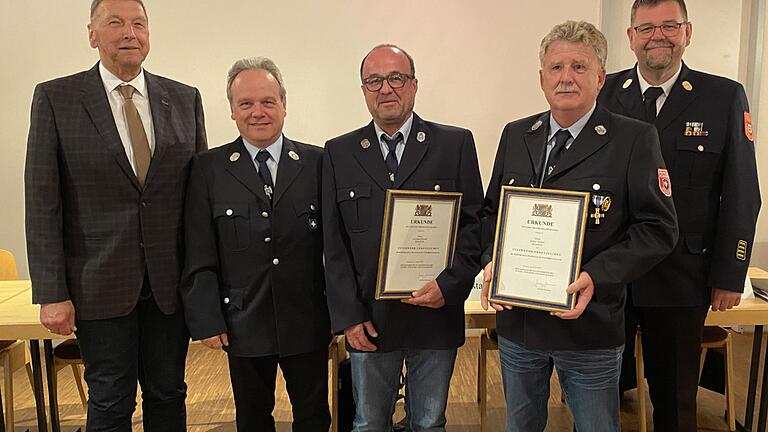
[(665, 184), (748, 126)]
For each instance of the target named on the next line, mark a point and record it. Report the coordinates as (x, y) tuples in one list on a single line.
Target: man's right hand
[(58, 317), (216, 342), (358, 339)]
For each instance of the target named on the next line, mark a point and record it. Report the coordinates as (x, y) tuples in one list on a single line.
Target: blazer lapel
[(414, 150), (630, 97), (369, 157), (680, 97), (98, 108), (244, 171), (288, 169), (588, 141), (535, 141), (159, 104)]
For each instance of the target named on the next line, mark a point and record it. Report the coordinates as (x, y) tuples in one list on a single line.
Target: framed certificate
[(418, 239), (537, 249)]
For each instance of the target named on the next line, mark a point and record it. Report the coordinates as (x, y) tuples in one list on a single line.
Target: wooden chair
[(12, 353), (66, 354), (714, 338)]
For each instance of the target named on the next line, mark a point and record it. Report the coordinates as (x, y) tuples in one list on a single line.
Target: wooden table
[(20, 319), (752, 311)]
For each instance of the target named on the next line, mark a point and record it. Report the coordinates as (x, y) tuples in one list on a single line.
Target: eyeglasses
[(395, 79), (667, 29)]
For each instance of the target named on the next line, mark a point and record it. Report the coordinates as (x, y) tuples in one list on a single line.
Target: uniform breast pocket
[(510, 178), (696, 161), (604, 209), (232, 225), (437, 185), (351, 202), (308, 212)]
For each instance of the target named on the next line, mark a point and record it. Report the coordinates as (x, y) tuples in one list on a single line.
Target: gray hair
[(95, 5), (576, 32), (257, 63), (388, 45)]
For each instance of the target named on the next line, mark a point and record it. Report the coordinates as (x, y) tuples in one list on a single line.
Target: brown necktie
[(139, 142)]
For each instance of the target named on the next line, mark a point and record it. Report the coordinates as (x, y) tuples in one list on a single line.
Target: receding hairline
[(653, 3), (393, 47), (96, 3)]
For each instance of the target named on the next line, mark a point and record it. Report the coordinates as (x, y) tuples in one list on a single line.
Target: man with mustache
[(706, 138), (107, 161), (578, 145), (397, 150)]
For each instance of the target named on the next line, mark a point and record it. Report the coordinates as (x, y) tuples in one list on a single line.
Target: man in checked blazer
[(105, 178)]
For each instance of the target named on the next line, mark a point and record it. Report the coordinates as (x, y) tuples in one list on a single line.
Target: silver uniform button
[(229, 212), (511, 181), (437, 188), (267, 239), (265, 214), (596, 186), (312, 207), (226, 300), (701, 148), (351, 194), (275, 261)]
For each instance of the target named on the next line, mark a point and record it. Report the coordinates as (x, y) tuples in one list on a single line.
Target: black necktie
[(391, 159), (561, 137), (266, 176), (649, 99)]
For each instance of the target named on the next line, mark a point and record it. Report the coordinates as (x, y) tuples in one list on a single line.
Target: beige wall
[(476, 62)]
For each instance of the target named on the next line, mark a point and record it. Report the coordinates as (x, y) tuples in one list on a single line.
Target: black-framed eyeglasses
[(395, 80), (671, 29)]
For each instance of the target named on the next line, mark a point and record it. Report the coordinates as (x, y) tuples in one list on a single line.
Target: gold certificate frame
[(418, 240), (537, 247)]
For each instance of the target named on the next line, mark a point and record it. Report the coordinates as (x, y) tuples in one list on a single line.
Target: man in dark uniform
[(707, 142), (578, 145), (253, 282), (397, 150)]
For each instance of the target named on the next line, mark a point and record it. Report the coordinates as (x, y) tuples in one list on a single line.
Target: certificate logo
[(423, 210), (542, 210)]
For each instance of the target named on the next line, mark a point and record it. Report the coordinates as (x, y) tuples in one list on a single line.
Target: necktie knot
[(126, 91), (652, 93), (650, 96), (561, 137), (262, 156), (392, 142)]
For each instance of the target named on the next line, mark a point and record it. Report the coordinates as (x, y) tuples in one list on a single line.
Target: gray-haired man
[(253, 283)]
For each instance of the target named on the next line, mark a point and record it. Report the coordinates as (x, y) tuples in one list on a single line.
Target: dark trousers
[(306, 379), (145, 345), (671, 351)]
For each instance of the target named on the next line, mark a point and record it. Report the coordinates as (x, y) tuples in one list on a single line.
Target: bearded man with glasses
[(706, 136), (397, 150)]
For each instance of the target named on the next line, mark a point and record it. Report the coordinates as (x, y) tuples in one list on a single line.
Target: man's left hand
[(722, 300), (586, 289), (428, 296)]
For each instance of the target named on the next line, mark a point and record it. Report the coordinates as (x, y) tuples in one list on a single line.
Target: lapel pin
[(365, 143), (293, 155), (687, 85), (627, 83), (600, 129), (234, 157), (536, 125), (421, 136)]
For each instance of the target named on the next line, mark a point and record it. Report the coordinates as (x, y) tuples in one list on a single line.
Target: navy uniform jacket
[(355, 181), (714, 183), (637, 232), (253, 270)]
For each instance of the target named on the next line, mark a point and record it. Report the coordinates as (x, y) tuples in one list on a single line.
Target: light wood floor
[(210, 406)]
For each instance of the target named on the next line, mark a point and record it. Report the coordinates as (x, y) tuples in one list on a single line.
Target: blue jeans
[(589, 379), (375, 381)]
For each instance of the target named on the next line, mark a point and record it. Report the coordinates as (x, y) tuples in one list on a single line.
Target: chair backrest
[(7, 266)]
